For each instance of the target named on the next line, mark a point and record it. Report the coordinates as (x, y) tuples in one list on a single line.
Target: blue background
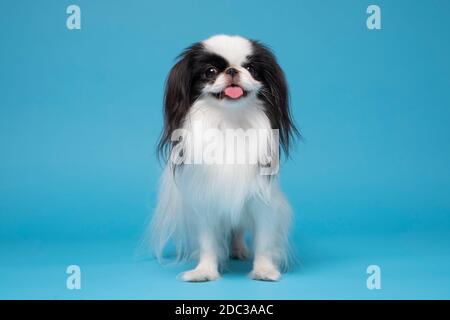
[(80, 113)]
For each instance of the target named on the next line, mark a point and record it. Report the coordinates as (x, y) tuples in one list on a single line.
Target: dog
[(225, 84)]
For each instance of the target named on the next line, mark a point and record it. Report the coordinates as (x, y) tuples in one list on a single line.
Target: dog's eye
[(210, 73), (251, 70)]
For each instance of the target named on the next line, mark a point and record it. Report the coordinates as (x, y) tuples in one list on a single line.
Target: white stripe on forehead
[(234, 49)]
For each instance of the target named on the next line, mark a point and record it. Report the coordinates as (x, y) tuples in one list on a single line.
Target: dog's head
[(231, 72)]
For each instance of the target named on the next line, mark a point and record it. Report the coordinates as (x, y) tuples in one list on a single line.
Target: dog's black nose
[(231, 71)]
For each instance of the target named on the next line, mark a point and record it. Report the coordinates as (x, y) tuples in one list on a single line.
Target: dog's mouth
[(233, 91)]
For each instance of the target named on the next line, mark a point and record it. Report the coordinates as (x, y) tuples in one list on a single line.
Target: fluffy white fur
[(205, 209)]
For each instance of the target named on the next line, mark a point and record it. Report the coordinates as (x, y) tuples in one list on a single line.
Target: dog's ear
[(177, 99), (275, 94)]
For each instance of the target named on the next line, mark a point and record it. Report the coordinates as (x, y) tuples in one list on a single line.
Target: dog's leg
[(264, 266), (271, 220), (207, 268), (238, 246)]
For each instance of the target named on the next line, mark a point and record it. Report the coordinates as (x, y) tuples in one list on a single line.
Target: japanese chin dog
[(226, 118)]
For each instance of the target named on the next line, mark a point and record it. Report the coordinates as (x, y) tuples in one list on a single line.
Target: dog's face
[(226, 69), (229, 72)]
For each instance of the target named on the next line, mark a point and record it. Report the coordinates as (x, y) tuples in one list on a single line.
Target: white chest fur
[(222, 152)]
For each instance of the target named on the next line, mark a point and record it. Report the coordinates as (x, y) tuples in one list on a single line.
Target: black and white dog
[(208, 200)]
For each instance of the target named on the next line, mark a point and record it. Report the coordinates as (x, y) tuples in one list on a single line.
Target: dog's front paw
[(265, 274), (264, 269), (200, 275)]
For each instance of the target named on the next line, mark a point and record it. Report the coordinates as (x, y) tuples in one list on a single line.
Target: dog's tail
[(168, 222)]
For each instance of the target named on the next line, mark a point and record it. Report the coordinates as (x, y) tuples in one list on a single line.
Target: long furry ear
[(275, 94), (177, 99)]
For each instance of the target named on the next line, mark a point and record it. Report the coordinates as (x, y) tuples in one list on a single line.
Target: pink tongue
[(234, 92)]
